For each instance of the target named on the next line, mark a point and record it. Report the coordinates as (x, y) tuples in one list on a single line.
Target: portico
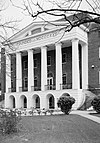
[(45, 80)]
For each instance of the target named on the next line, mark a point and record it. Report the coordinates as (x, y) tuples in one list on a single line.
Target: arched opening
[(12, 101), (50, 101), (36, 101), (65, 94), (23, 101)]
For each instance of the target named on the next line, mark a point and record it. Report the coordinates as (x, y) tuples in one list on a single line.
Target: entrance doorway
[(50, 83)]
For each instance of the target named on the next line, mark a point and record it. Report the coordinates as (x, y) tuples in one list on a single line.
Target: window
[(99, 77), (25, 82), (0, 86), (35, 81), (35, 63), (49, 60), (64, 79), (25, 64), (99, 52), (11, 67), (64, 58), (35, 31), (12, 84)]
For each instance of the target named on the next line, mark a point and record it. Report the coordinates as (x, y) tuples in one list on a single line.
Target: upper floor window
[(35, 31), (12, 84), (49, 60), (64, 58), (11, 67), (64, 79), (35, 81), (99, 52), (25, 82), (25, 65), (0, 86), (35, 63)]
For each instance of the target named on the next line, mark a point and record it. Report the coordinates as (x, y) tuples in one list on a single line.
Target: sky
[(14, 13)]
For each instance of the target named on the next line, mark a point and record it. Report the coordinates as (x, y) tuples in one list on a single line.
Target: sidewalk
[(86, 114)]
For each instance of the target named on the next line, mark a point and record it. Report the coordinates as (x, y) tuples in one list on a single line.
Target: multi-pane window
[(99, 77), (35, 63), (0, 86), (11, 67), (12, 86), (49, 60), (25, 83), (64, 79), (25, 65), (64, 58), (35, 81), (99, 52)]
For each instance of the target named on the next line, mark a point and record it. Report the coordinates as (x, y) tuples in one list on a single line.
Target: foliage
[(65, 103), (8, 121), (96, 104)]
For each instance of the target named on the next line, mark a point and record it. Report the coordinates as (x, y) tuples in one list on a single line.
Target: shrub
[(8, 121), (65, 103), (96, 104)]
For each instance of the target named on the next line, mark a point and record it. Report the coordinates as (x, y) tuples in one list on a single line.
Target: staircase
[(89, 95)]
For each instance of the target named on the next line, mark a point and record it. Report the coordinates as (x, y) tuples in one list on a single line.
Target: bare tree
[(6, 26), (89, 10)]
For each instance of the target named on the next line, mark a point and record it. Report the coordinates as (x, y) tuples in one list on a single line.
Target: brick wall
[(93, 57)]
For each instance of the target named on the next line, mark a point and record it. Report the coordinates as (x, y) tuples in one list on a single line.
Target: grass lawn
[(55, 129)]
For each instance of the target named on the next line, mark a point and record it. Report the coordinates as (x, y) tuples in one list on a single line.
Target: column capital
[(75, 39), (19, 52), (58, 44), (29, 50), (43, 47)]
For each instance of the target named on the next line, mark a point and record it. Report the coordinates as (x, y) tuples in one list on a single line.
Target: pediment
[(32, 29)]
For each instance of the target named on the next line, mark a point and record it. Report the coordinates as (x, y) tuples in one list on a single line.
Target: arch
[(65, 94), (36, 101), (23, 101), (50, 100), (12, 101)]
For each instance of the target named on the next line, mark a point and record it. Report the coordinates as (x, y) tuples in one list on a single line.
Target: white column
[(8, 73), (58, 66), (30, 70), (84, 66), (18, 71), (43, 68), (75, 65)]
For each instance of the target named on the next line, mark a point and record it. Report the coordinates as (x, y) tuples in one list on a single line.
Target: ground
[(55, 129)]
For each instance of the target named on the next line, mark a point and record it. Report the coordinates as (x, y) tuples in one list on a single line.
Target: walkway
[(86, 114)]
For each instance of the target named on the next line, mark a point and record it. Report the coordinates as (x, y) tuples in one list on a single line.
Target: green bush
[(65, 103), (96, 104), (8, 121)]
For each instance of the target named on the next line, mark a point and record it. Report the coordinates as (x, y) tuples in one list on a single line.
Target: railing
[(66, 86), (11, 90), (20, 89), (50, 87), (35, 88)]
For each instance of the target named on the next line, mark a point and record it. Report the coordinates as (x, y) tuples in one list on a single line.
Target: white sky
[(16, 14)]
